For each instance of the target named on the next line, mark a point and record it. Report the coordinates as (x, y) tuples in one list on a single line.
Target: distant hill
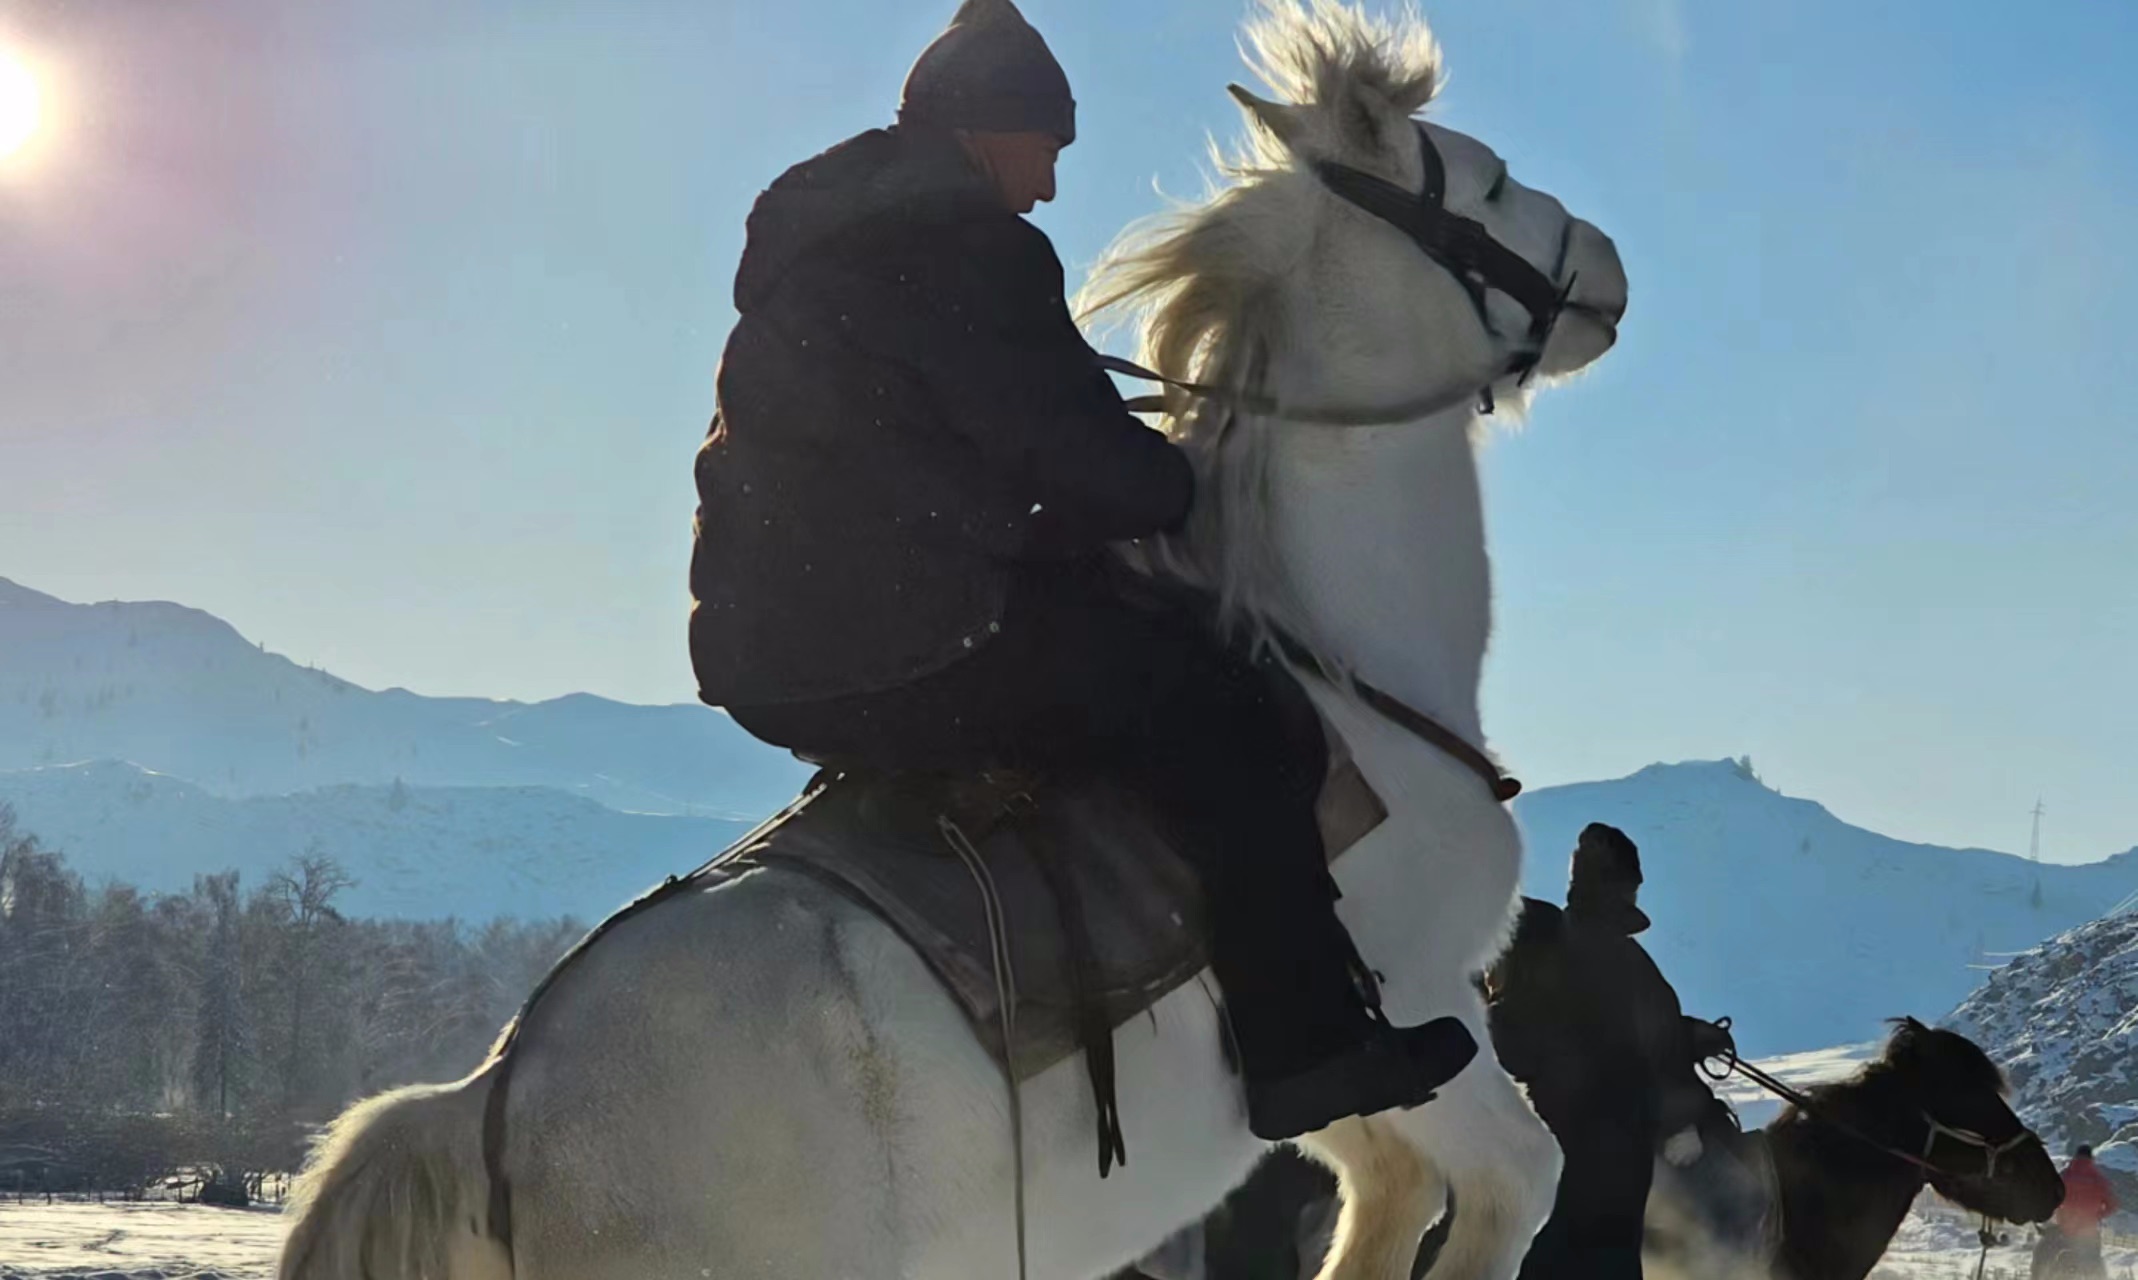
[(2063, 1019), (1806, 929), (180, 692), (416, 852)]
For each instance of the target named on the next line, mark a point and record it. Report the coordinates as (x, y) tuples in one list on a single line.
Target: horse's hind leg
[(1496, 1159), (1390, 1193)]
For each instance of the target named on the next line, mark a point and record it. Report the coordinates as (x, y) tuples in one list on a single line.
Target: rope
[(1991, 1151), (998, 947), (1404, 716), (1263, 406), (1802, 1102)]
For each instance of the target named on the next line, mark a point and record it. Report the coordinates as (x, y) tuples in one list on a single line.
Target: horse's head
[(1416, 261), (1289, 280), (1354, 267), (1984, 1158)]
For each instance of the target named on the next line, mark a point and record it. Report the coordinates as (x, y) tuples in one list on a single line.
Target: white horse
[(763, 1080)]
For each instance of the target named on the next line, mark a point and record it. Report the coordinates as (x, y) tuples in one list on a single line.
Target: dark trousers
[(1597, 1220), (1084, 678)]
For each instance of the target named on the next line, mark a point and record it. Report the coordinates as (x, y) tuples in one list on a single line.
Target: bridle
[(1463, 246), (1460, 245), (1992, 1151)]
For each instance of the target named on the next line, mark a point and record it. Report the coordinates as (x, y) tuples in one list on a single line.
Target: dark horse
[(1853, 1156), (1835, 1179)]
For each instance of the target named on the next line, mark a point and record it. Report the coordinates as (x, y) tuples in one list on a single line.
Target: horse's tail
[(396, 1189)]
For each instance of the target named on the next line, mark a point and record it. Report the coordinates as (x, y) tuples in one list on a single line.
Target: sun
[(20, 109)]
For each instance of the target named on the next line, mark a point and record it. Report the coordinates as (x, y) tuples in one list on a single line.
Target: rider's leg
[(1595, 1229), (1079, 678), (1144, 688)]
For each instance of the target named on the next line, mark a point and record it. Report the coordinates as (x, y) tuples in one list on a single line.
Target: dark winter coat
[(1581, 1015), (907, 413)]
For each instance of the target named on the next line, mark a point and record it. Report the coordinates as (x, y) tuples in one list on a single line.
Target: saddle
[(1100, 914), (1052, 910)]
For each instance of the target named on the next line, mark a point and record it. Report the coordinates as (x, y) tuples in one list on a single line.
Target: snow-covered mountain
[(1807, 930), (179, 691), (2063, 1019), (418, 852)]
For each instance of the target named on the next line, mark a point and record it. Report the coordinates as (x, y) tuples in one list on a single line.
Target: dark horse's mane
[(1925, 1050)]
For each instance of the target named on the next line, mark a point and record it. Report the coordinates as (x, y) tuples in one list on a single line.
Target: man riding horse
[(903, 559)]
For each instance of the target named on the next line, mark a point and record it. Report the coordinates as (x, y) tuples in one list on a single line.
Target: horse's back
[(732, 1039)]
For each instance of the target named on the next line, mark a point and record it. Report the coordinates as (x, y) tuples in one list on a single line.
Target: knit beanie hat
[(1606, 878), (989, 72)]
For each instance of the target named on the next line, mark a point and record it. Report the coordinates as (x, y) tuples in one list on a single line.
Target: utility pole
[(2034, 846)]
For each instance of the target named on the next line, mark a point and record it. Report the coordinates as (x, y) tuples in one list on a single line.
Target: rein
[(1419, 724), (1992, 1152), (1263, 406)]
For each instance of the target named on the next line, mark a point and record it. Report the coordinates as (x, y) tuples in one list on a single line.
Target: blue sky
[(386, 330)]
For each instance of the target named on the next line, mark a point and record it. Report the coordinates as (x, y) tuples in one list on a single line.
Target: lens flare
[(19, 106)]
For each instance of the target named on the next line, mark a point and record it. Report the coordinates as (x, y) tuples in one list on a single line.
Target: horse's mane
[(1197, 283), (1915, 1048)]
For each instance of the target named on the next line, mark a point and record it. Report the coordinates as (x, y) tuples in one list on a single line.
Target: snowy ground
[(1937, 1243), (136, 1242), (190, 1242)]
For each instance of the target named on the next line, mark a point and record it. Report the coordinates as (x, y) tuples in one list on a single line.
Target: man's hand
[(1683, 1148), (1710, 1039)]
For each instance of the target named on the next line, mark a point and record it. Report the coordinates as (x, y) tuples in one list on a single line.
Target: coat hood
[(898, 174)]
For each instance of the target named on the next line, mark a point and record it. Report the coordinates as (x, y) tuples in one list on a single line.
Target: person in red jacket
[(2087, 1198), (2071, 1250)]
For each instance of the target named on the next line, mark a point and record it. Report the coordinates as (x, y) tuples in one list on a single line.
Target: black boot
[(1389, 1067)]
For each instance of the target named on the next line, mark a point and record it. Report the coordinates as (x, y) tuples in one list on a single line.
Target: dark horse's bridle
[(1992, 1151), (1460, 245)]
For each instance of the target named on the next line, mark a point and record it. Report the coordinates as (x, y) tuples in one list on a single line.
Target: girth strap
[(1094, 1030)]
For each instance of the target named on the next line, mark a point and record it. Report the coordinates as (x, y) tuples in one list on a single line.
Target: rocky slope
[(2063, 1019)]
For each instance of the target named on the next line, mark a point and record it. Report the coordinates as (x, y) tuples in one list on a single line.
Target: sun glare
[(19, 106)]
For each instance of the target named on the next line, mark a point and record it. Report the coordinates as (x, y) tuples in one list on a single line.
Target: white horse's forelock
[(1324, 53)]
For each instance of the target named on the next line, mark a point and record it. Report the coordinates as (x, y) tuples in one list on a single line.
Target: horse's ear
[(981, 12), (1359, 117), (1905, 1046), (1284, 122)]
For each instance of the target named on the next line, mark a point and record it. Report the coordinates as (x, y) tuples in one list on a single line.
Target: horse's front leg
[(1496, 1160), (1389, 1194)]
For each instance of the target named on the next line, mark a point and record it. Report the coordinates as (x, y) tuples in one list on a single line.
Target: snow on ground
[(1938, 1242), (193, 1242), (145, 1241)]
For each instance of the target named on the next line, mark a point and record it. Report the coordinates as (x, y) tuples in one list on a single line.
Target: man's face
[(1020, 164)]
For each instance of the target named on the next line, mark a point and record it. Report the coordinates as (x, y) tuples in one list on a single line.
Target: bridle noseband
[(1992, 1152), (1461, 245)]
